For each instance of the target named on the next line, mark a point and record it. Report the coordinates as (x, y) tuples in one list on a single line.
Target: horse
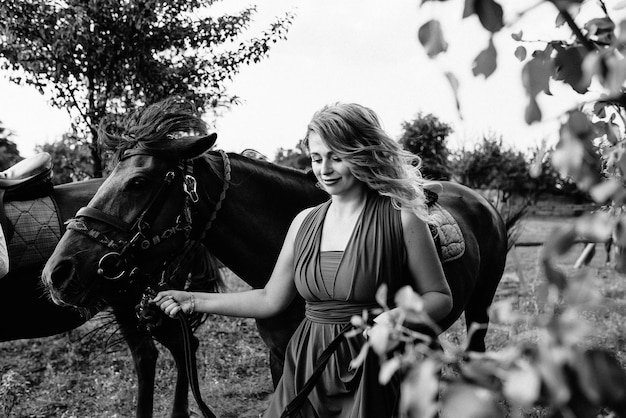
[(28, 312), (240, 208)]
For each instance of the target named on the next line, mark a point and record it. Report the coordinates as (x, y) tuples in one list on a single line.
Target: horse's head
[(139, 221)]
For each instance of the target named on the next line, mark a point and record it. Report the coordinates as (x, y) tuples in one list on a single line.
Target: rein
[(115, 264)]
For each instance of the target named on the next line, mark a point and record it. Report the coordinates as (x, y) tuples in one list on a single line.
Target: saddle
[(27, 180), (25, 189), (445, 230)]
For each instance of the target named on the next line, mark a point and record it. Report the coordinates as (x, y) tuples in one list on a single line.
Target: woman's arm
[(425, 267), (257, 303)]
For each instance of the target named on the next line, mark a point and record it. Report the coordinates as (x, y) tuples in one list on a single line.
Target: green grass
[(70, 375)]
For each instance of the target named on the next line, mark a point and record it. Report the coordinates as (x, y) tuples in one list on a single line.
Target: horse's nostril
[(61, 272)]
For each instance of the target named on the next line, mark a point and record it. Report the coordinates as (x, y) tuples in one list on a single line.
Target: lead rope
[(190, 365), (298, 401)]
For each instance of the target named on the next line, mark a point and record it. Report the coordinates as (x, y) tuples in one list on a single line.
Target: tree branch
[(572, 25)]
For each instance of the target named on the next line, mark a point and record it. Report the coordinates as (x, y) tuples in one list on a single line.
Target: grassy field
[(78, 374)]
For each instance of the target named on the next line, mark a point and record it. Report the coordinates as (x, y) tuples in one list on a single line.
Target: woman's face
[(331, 171)]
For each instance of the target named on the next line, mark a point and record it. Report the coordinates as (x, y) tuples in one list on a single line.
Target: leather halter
[(115, 264)]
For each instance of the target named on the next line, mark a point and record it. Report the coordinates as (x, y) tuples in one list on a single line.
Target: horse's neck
[(258, 208)]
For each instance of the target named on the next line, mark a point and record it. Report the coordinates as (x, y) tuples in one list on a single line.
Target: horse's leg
[(476, 310), (170, 335), (144, 355)]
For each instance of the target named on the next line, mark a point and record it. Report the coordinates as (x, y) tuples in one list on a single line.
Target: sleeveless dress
[(335, 286)]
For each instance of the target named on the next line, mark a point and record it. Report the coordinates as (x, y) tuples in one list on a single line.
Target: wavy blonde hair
[(354, 133)]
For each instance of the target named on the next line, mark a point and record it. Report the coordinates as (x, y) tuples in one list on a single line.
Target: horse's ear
[(192, 146)]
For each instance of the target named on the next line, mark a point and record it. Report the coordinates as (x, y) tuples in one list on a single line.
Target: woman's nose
[(327, 166)]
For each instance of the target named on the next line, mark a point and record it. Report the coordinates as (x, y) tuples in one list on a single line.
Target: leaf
[(419, 390), (575, 155), (517, 36), (490, 14), (406, 298), (522, 385), (605, 190), (550, 364), (571, 329), (610, 376), (469, 8), (599, 109), (381, 295), (568, 67), (486, 63), (532, 113), (501, 312), (602, 30), (381, 339), (462, 400), (388, 369), (560, 241), (520, 53), (536, 74), (555, 276), (356, 362), (431, 37), (454, 83), (596, 227)]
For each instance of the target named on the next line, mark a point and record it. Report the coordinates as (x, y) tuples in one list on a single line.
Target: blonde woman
[(372, 230)]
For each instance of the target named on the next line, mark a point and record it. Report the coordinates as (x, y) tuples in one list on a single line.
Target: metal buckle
[(189, 186)]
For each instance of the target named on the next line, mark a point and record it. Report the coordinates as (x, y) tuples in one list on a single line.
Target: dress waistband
[(335, 311)]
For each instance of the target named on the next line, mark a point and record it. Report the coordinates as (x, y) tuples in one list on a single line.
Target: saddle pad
[(37, 231), (450, 236)]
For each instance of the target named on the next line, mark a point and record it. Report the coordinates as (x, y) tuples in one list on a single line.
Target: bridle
[(117, 263)]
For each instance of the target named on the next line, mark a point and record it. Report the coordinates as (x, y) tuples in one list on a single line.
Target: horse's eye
[(138, 182)]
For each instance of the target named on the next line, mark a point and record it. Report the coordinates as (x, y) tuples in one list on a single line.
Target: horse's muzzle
[(57, 278)]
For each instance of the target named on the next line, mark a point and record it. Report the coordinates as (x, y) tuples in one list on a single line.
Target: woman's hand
[(173, 301)]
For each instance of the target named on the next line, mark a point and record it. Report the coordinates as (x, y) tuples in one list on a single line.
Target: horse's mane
[(275, 175), (147, 127)]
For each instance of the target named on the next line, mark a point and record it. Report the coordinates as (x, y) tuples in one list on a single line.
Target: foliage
[(296, 158), (557, 371), (70, 158), (107, 57), (557, 368), (9, 154), (484, 166), (426, 136)]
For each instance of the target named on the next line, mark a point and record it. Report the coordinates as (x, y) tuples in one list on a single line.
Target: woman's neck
[(346, 206)]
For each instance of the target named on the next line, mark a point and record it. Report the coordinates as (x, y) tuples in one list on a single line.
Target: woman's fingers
[(166, 294), (167, 303)]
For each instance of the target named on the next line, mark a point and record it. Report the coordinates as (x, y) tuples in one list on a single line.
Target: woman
[(372, 230)]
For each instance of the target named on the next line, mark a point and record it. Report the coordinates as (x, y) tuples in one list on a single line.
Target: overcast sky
[(363, 51)]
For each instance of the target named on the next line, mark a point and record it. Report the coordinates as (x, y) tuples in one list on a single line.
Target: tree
[(426, 136), (9, 154), (490, 165), (71, 160), (107, 57), (296, 158)]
